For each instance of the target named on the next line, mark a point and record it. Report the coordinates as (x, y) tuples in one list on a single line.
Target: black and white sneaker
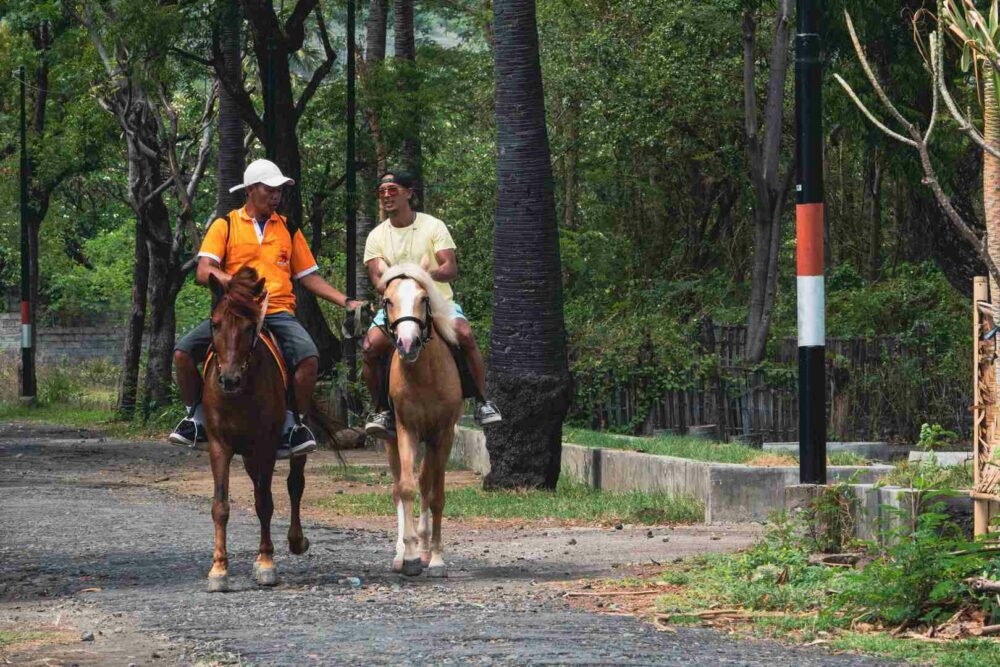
[(487, 413), (188, 433), (382, 425), (300, 441)]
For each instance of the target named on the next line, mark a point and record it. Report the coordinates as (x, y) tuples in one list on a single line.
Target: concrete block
[(577, 464), (622, 471), (469, 450), (746, 493), (875, 451), (945, 459)]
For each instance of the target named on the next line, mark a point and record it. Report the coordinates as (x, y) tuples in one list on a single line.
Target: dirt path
[(91, 546)]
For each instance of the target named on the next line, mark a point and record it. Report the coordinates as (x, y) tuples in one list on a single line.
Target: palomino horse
[(426, 392), (244, 404)]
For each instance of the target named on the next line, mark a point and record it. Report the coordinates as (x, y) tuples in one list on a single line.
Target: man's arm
[(447, 269), (376, 267), (207, 267), (324, 290)]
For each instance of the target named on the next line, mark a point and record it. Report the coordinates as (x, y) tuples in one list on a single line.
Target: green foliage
[(569, 501), (935, 437)]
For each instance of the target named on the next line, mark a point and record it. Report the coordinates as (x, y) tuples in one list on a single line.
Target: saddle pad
[(270, 343)]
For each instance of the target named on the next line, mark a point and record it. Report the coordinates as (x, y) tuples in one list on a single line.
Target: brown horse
[(426, 393), (244, 403)]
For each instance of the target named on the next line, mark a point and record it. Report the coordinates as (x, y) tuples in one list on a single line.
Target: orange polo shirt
[(277, 257)]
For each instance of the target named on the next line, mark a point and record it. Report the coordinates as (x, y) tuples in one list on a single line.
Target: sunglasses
[(390, 190)]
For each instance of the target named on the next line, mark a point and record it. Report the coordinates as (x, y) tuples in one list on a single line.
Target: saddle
[(469, 389), (269, 341)]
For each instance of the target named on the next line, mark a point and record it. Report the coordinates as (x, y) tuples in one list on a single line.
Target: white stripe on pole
[(25, 335), (811, 301)]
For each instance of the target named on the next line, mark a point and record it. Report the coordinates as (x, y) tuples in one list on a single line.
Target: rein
[(426, 328)]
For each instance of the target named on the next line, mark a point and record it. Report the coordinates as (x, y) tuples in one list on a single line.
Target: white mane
[(440, 310)]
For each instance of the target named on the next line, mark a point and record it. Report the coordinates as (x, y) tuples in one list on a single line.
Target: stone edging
[(730, 492)]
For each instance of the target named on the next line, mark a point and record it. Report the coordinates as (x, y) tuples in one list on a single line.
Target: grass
[(9, 639), (931, 474), (570, 501), (697, 449), (103, 419)]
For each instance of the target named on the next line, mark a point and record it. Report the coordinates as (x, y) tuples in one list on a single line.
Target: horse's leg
[(426, 491), (407, 492), (392, 454), (218, 577), (435, 463), (297, 542), (260, 473)]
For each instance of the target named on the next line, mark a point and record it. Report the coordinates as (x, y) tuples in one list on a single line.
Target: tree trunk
[(409, 83), (769, 186), (230, 157), (371, 152), (528, 373), (133, 331), (991, 176), (873, 186)]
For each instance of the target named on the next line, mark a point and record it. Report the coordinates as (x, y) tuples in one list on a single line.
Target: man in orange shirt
[(257, 236)]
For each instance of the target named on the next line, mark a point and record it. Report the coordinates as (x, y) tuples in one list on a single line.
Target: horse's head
[(407, 309), (236, 322)]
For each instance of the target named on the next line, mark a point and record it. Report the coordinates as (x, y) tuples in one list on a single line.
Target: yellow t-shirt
[(426, 236), (277, 257)]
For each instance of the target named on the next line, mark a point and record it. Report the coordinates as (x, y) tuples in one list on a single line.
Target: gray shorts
[(295, 342)]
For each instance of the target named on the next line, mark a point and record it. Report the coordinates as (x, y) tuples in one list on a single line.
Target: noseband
[(426, 330)]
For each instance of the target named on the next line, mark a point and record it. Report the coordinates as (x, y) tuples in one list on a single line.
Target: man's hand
[(353, 303)]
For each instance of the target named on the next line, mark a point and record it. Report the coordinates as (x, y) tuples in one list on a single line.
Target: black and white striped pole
[(27, 353), (809, 222)]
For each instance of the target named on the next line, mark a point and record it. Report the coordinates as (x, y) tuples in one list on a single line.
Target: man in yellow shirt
[(407, 236), (256, 236)]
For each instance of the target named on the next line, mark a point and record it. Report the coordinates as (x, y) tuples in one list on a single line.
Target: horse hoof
[(218, 584), (412, 568), (265, 577), (300, 547), (437, 571)]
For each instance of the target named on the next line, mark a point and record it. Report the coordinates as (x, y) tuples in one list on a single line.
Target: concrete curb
[(874, 451), (730, 492)]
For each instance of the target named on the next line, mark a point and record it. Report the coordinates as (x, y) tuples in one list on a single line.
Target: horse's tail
[(329, 429)]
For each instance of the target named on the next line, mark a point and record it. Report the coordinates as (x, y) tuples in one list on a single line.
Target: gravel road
[(86, 550)]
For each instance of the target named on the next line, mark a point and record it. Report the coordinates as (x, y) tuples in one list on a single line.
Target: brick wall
[(76, 343)]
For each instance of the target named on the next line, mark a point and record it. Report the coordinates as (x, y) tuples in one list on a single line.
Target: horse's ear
[(258, 288), (218, 291)]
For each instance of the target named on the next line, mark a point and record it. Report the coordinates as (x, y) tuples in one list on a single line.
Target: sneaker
[(382, 425), (188, 434), (487, 413), (300, 441)]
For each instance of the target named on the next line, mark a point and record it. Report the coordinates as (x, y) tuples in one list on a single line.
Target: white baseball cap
[(262, 171)]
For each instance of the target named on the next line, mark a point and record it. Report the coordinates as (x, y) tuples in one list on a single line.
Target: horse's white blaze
[(407, 297)]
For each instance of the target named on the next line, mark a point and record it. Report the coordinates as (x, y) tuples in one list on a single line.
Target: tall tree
[(371, 148), (230, 157), (409, 85), (528, 374), (770, 186), (134, 92), (274, 42)]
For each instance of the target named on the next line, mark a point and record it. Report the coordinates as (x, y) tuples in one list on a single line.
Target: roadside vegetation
[(924, 595), (569, 502)]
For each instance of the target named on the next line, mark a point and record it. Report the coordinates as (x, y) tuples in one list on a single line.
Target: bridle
[(426, 328), (253, 343)]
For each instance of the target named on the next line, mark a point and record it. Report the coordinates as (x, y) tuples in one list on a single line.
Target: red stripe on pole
[(25, 311), (809, 236)]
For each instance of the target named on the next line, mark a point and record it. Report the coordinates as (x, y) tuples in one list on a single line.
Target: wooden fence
[(874, 391)]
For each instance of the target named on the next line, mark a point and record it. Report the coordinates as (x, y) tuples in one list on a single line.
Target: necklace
[(396, 259)]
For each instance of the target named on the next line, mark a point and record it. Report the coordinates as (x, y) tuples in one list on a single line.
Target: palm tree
[(528, 373), (230, 157), (406, 59)]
